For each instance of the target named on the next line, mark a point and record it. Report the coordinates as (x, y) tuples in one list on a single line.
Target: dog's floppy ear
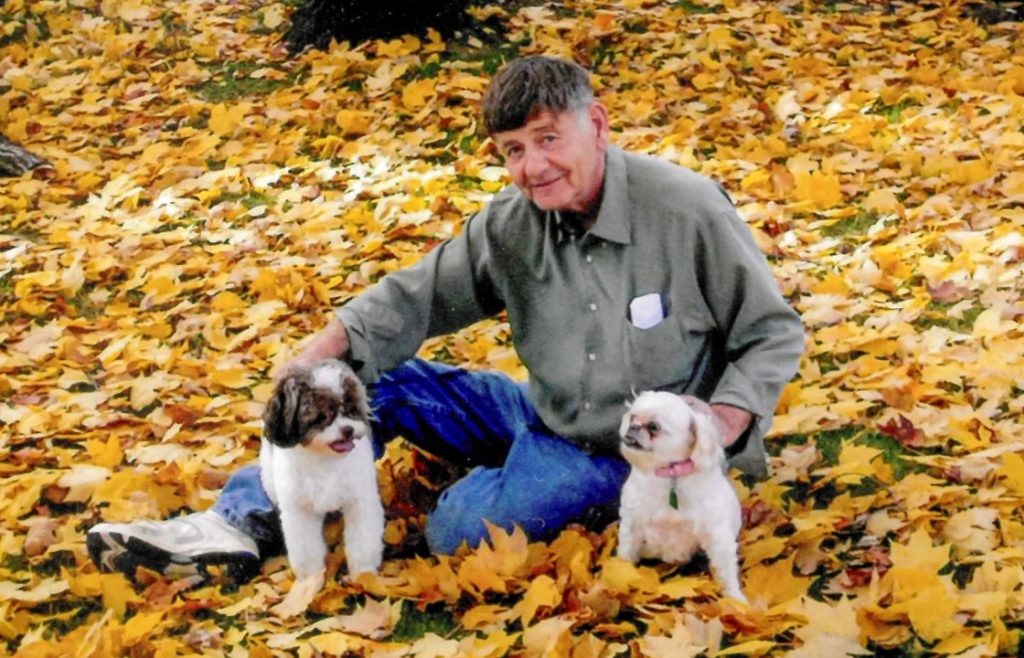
[(282, 419), (707, 447)]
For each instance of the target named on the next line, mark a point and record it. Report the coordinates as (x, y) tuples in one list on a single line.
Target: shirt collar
[(612, 223)]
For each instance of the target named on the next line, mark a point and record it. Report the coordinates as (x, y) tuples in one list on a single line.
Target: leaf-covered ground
[(211, 199)]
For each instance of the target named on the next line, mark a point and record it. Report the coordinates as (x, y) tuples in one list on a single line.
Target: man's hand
[(732, 421), (330, 343)]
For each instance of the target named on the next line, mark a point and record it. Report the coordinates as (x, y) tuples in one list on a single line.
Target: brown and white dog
[(316, 457), (677, 499)]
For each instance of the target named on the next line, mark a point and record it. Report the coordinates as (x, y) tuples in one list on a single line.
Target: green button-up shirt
[(726, 335)]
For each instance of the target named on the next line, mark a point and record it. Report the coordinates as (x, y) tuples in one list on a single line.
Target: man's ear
[(707, 447), (597, 114)]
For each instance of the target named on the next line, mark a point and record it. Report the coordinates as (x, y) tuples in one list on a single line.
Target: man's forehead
[(541, 120)]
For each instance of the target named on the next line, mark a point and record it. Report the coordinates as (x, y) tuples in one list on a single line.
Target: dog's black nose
[(347, 432), (632, 436)]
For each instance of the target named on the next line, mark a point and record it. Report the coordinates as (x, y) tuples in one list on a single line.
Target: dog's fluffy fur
[(661, 430), (317, 457)]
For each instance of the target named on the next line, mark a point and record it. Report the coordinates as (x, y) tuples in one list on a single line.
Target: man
[(619, 273)]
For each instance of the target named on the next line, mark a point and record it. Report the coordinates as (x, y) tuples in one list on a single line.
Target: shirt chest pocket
[(667, 355)]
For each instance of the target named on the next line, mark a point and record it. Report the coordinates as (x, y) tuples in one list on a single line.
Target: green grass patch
[(249, 200), (691, 7), (937, 315), (856, 225), (84, 305), (7, 286), (490, 56), (830, 445), (415, 623), (27, 27), (426, 71), (893, 113), (66, 614), (233, 80), (602, 53)]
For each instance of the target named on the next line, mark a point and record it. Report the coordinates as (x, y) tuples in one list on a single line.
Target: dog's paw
[(299, 597), (359, 576), (356, 570)]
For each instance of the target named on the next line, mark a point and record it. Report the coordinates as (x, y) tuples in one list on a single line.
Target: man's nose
[(534, 163)]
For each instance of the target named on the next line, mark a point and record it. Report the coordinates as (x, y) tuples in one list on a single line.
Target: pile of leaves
[(211, 199)]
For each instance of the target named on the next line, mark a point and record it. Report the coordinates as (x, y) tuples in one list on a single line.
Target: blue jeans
[(523, 474)]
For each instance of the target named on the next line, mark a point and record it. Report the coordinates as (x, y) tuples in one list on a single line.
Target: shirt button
[(592, 356), (587, 406), (590, 259), (593, 306)]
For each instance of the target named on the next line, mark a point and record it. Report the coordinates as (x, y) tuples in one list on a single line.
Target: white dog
[(316, 457), (677, 499)]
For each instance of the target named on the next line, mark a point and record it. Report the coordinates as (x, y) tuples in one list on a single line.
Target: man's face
[(557, 158)]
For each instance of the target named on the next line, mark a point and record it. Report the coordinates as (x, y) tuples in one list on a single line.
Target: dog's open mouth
[(675, 469), (342, 445)]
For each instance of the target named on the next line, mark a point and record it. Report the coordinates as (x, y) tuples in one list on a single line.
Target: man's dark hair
[(530, 85)]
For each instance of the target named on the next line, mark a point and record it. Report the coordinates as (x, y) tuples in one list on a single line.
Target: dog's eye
[(320, 411), (652, 427)]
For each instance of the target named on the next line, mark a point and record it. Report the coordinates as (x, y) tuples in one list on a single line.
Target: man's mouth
[(545, 184)]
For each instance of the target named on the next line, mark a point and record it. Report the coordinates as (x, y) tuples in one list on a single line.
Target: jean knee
[(459, 515)]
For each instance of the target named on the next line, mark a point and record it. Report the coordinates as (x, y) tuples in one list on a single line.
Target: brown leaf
[(948, 292), (903, 431), (42, 533)]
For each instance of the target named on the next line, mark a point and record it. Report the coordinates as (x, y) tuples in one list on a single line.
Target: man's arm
[(449, 288), (763, 335)]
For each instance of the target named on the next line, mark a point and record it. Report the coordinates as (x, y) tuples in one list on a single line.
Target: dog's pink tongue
[(342, 445), (675, 469)]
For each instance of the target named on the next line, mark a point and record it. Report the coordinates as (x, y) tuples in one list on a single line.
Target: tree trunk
[(318, 21), (15, 161), (990, 12)]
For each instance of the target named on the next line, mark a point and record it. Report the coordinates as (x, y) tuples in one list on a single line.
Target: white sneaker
[(180, 547)]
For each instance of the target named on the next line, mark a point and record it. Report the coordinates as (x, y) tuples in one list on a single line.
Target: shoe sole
[(133, 553)]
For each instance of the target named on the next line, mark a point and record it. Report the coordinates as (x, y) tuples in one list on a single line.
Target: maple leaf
[(679, 643), (41, 591), (774, 583), (549, 638), (973, 530), (920, 553), (830, 630), (903, 431), (542, 592), (931, 612), (42, 533), (373, 620), (433, 646)]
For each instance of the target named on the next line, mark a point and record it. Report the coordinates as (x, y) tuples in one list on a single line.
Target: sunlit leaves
[(211, 200)]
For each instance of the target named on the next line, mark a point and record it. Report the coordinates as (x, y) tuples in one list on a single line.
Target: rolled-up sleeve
[(450, 288)]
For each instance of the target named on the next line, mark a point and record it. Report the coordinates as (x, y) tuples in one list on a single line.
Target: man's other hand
[(731, 421)]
